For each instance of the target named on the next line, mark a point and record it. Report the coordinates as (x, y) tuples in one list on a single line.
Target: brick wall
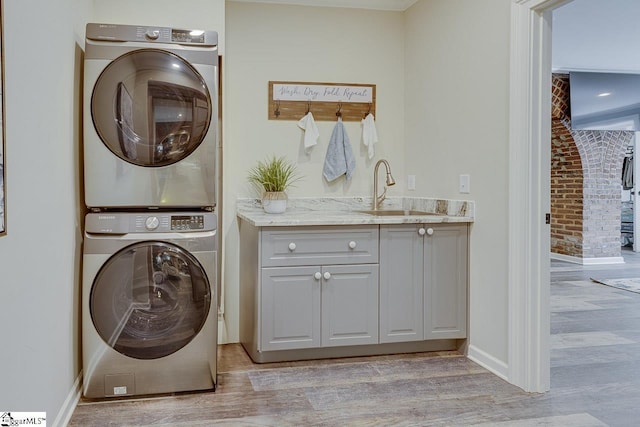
[(586, 169), (566, 192)]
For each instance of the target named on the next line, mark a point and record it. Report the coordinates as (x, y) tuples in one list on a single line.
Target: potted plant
[(272, 178)]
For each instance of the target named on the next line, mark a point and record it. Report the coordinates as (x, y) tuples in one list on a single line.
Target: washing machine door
[(150, 299), (151, 108)]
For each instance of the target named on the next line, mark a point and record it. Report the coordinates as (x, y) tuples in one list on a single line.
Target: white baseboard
[(587, 261), (70, 403), (223, 337), (489, 362)]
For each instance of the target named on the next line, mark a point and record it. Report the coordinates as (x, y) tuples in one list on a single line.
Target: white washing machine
[(150, 117), (149, 318)]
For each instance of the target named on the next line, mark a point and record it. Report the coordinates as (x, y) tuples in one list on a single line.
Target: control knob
[(152, 223), (152, 34)]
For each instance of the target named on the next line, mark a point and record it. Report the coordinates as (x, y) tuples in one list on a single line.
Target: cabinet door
[(445, 291), (401, 283), (289, 308), (349, 305)]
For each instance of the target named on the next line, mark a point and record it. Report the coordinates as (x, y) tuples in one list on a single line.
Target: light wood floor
[(595, 378)]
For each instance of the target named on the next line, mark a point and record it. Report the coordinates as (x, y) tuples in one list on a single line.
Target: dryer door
[(151, 108), (150, 299)]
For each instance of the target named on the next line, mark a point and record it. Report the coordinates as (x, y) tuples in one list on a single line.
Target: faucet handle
[(380, 198)]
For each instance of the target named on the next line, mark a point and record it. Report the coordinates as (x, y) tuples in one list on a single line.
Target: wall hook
[(339, 112), (276, 108), (368, 111), (308, 107)]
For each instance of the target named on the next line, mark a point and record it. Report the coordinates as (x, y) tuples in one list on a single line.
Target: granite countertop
[(345, 211)]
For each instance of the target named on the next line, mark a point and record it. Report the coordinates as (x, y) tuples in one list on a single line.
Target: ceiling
[(596, 35), (395, 5)]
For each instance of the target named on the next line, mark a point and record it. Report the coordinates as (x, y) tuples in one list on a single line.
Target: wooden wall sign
[(292, 100)]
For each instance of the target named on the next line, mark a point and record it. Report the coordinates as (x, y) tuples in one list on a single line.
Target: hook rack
[(293, 100)]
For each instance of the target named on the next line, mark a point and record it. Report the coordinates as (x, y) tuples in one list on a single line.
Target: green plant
[(274, 175)]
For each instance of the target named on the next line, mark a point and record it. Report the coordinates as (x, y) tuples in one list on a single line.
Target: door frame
[(529, 194)]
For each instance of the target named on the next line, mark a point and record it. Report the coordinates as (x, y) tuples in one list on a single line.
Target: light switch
[(465, 183), (411, 182)]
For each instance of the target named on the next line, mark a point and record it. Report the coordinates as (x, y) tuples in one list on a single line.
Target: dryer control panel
[(142, 33)]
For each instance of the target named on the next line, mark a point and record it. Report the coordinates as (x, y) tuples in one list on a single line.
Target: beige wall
[(442, 111), (297, 43), (40, 255), (457, 82)]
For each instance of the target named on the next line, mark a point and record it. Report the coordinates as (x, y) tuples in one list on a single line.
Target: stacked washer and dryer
[(149, 297)]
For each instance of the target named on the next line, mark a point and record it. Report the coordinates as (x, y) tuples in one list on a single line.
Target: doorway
[(529, 200), (591, 54), (530, 105)]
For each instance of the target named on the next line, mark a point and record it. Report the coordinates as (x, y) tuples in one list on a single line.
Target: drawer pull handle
[(421, 231), (292, 246), (352, 244), (430, 231), (317, 276), (327, 275)]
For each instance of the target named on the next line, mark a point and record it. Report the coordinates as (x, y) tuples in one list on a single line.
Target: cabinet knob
[(317, 276), (352, 244), (292, 246), (430, 231), (421, 231), (327, 275)]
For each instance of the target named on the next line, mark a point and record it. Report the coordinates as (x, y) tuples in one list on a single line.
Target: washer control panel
[(187, 222)]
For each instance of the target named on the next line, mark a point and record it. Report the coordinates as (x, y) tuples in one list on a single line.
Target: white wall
[(40, 255), (457, 75), (311, 44)]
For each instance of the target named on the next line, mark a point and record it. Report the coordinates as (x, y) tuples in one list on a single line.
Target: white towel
[(311, 133), (339, 159), (369, 134)]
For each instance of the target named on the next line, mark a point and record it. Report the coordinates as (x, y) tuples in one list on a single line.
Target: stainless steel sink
[(397, 212)]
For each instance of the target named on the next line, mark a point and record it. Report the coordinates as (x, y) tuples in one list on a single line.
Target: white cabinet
[(423, 282)]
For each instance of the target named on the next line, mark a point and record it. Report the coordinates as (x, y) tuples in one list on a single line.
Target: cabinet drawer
[(285, 246)]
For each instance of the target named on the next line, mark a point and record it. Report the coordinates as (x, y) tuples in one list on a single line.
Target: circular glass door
[(151, 108), (149, 300)]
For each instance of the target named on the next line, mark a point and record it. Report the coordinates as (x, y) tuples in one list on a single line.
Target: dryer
[(149, 318), (150, 117)]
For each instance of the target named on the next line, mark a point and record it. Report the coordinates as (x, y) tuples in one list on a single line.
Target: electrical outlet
[(411, 182), (465, 184)]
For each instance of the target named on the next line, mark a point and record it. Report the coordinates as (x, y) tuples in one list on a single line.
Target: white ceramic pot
[(274, 203)]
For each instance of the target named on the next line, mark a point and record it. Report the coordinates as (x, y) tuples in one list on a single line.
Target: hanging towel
[(369, 134), (339, 159), (311, 133), (627, 173)]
